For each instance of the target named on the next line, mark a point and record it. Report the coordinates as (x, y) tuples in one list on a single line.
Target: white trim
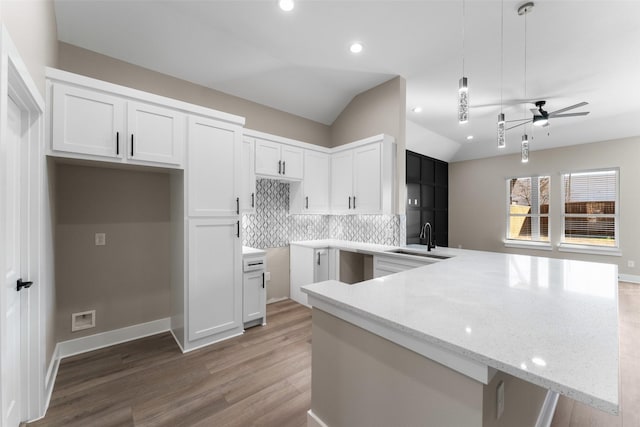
[(177, 341), (251, 133), (548, 409), (272, 300), (79, 80), (208, 343), (631, 278), (510, 243), (314, 421), (109, 338), (586, 249)]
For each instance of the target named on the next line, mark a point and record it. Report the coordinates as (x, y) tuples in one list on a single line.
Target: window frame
[(587, 248), (527, 244)]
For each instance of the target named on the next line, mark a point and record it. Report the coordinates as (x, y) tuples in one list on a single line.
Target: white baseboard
[(117, 336), (314, 421), (52, 372), (631, 278), (548, 409), (272, 300)]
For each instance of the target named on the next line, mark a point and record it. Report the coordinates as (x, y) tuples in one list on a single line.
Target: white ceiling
[(299, 61)]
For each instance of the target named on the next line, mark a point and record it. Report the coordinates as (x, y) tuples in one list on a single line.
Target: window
[(590, 209), (528, 209)]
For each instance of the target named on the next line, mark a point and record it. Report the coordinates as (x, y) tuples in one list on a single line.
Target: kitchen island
[(432, 345)]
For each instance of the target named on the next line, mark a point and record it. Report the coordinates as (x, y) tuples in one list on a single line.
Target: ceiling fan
[(541, 117)]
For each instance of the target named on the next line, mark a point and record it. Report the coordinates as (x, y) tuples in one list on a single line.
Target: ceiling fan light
[(501, 132), (463, 101), (540, 120), (524, 151)]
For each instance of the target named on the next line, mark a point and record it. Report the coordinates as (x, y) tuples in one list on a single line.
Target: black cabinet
[(427, 198)]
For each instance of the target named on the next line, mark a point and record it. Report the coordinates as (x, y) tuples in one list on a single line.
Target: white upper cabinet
[(316, 182), (155, 134), (248, 190), (278, 160), (363, 177), (88, 122), (214, 165)]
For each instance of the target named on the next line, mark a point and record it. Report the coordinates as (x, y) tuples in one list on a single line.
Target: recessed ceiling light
[(286, 5), (469, 138), (356, 47), (417, 109)]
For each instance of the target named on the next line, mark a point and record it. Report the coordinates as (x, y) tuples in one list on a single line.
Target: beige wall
[(127, 280), (477, 197), (259, 117), (32, 27), (278, 266), (381, 109)]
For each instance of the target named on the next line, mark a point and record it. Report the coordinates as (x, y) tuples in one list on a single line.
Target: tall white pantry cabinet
[(201, 150)]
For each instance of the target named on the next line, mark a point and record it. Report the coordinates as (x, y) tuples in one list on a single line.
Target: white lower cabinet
[(385, 265), (254, 292), (308, 265), (214, 287)]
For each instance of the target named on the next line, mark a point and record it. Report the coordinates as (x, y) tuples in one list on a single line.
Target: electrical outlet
[(500, 400), (101, 239), (267, 276), (631, 264)]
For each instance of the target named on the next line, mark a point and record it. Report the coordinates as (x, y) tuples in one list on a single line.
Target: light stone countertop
[(551, 322), (246, 250)]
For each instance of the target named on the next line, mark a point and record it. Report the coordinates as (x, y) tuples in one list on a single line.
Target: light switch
[(101, 239)]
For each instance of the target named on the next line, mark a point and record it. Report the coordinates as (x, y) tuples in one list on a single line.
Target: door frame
[(16, 82)]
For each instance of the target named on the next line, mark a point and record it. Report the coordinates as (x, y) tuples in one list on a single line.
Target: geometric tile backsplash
[(271, 226)]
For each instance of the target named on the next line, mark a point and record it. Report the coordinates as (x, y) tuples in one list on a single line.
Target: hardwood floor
[(570, 413), (262, 378)]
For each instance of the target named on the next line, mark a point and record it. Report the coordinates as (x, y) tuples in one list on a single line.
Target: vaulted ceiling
[(299, 61)]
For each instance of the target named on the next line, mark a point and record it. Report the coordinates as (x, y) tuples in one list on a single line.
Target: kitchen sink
[(413, 253)]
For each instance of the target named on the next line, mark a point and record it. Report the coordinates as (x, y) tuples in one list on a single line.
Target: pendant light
[(501, 132), (463, 84), (524, 149)]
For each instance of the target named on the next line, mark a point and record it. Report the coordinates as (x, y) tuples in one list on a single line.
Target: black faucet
[(426, 233)]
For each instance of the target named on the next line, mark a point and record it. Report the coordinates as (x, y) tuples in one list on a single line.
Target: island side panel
[(361, 379)]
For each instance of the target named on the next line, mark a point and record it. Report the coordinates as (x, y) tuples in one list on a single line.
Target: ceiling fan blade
[(515, 126), (519, 120), (571, 114), (534, 111), (562, 110)]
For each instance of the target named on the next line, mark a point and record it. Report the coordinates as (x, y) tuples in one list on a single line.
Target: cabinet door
[(367, 179), (342, 181), (215, 268), (87, 122), (316, 182), (292, 162), (248, 190), (155, 134), (253, 299), (214, 155), (268, 158)]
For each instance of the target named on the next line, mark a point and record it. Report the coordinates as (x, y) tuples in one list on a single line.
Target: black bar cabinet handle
[(263, 280), (131, 145), (349, 202), (237, 205), (284, 167), (117, 143), (307, 202), (318, 258), (238, 229), (279, 167), (354, 202), (253, 200)]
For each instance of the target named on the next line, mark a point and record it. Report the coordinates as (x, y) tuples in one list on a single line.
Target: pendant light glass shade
[(463, 101), (525, 148), (501, 137)]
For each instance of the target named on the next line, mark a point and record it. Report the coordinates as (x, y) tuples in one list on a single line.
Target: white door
[(215, 269), (342, 181), (248, 191), (268, 158), (11, 242), (321, 268), (316, 182), (292, 162), (87, 122), (213, 170), (367, 179), (155, 134), (253, 300)]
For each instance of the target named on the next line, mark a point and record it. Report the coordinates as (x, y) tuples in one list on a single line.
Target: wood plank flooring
[(262, 378)]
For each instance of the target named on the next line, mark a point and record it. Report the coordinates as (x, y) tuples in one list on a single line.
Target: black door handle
[(318, 258), (263, 280), (238, 231), (354, 202), (349, 202), (307, 200), (237, 205), (117, 143), (253, 200), (284, 166), (279, 167), (131, 145), (21, 284)]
